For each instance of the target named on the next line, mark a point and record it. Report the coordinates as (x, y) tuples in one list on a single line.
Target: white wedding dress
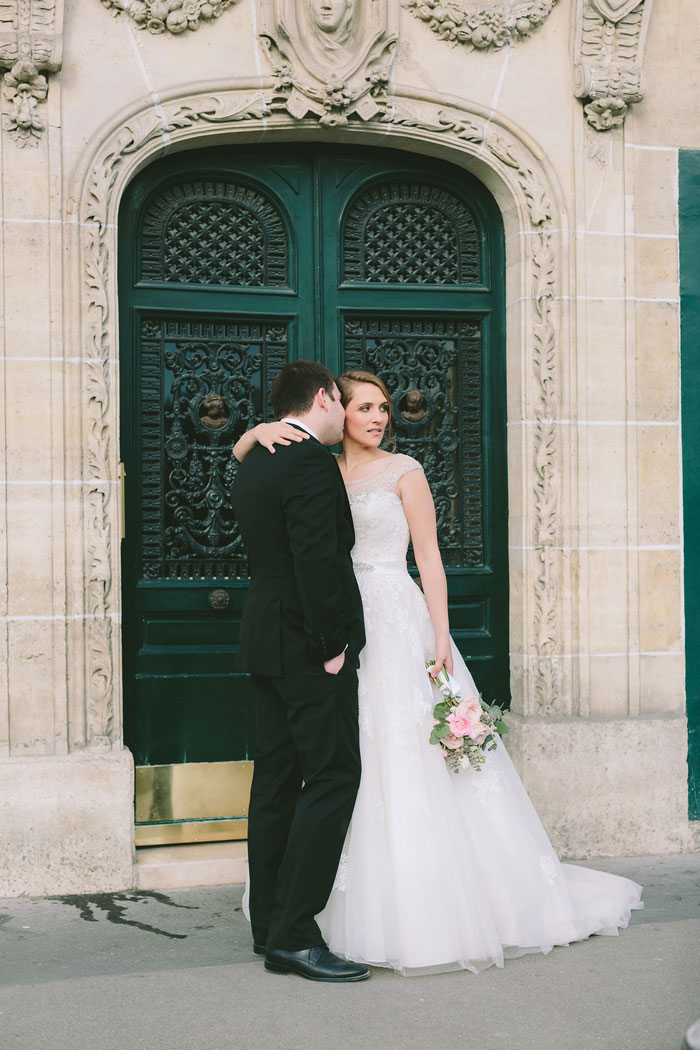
[(440, 870)]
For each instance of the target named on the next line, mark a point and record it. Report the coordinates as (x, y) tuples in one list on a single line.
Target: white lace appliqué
[(549, 867), (486, 781), (341, 878), (365, 717)]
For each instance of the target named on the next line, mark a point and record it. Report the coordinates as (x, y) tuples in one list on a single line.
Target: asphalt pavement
[(175, 971)]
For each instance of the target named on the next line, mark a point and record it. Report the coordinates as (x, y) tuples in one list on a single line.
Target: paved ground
[(152, 971)]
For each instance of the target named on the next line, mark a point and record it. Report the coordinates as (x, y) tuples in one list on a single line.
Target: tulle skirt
[(442, 870)]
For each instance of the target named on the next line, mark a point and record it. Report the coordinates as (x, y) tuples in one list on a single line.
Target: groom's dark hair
[(294, 389)]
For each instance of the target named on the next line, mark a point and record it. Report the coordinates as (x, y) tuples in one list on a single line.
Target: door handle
[(122, 498), (219, 599)]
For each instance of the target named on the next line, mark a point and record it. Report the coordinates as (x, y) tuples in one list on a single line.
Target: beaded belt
[(385, 568)]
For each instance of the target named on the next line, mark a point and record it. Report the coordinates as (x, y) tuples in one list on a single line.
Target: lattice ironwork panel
[(214, 232), (202, 383), (411, 233), (433, 369)]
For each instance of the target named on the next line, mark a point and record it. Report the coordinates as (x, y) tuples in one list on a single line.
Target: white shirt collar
[(298, 423)]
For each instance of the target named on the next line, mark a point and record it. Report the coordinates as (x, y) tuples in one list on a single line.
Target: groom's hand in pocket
[(335, 665)]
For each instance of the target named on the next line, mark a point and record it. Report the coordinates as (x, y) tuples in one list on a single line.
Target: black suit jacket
[(304, 605)]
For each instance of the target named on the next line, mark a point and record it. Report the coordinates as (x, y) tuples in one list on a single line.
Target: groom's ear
[(321, 398)]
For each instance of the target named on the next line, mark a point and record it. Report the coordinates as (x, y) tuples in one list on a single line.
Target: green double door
[(232, 262)]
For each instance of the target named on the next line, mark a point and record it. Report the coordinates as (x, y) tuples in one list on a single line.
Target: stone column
[(65, 810), (621, 748)]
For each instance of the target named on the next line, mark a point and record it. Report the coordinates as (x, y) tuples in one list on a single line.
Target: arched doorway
[(233, 261)]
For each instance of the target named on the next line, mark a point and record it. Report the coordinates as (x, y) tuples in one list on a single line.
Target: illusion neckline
[(370, 477)]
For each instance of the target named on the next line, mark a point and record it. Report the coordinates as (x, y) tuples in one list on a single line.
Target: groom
[(301, 635)]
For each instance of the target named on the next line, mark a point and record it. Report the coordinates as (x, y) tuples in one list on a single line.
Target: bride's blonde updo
[(349, 380)]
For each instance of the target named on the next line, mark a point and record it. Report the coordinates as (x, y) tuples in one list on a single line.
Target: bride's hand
[(270, 434), (443, 658)]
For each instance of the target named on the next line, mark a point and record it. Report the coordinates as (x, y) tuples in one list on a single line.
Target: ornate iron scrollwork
[(441, 361), (214, 233), (202, 384), (411, 233)]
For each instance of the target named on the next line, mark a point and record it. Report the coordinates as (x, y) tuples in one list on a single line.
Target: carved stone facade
[(610, 37), (591, 295), (484, 27), (31, 44), (333, 60), (169, 16)]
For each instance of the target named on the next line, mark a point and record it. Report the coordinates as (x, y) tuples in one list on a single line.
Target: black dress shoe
[(316, 964), (259, 949)]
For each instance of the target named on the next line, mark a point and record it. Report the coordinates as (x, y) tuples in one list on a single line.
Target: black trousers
[(305, 780)]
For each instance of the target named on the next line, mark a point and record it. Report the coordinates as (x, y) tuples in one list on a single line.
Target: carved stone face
[(329, 15)]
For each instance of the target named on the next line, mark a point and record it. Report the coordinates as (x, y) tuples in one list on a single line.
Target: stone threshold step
[(199, 864)]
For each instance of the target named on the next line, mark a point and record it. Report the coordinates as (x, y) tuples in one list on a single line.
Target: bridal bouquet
[(464, 729)]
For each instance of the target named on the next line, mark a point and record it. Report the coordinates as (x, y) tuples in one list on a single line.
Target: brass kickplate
[(189, 831), (192, 802)]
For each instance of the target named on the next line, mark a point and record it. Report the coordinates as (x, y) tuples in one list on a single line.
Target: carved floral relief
[(484, 26), (609, 49), (169, 16), (30, 45)]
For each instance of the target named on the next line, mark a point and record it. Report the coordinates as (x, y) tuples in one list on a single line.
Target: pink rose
[(470, 708), (452, 741), (479, 732), (459, 723)]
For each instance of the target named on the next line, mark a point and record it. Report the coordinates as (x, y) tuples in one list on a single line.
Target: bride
[(440, 870)]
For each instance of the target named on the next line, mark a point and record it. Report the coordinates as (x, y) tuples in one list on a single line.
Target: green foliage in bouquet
[(465, 728)]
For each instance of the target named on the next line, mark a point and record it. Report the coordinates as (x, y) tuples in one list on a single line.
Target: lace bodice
[(381, 529)]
